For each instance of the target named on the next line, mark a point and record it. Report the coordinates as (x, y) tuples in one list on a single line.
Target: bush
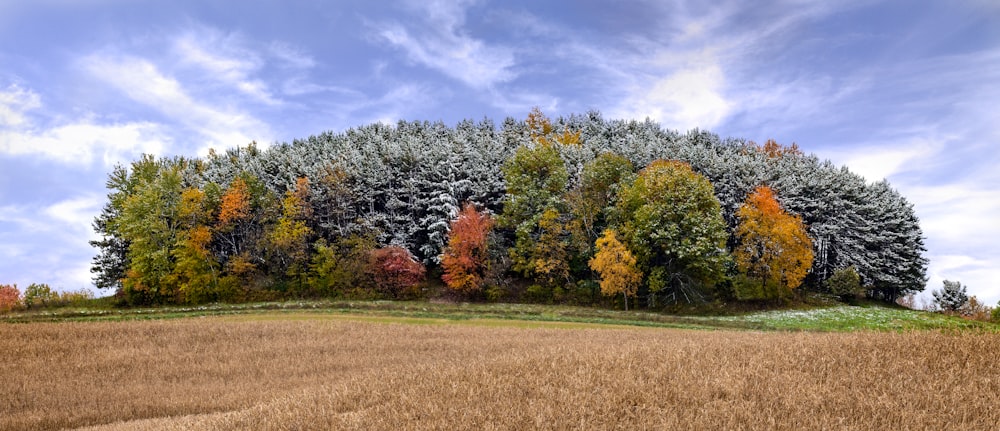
[(845, 283), (975, 310), (76, 298), (40, 295), (396, 272), (10, 297)]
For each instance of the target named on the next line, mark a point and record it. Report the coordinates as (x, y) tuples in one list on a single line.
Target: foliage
[(846, 284), (617, 267), (395, 271), (340, 268), (10, 297), (466, 259), (254, 222), (39, 295), (772, 245), (976, 310), (951, 297), (673, 224), (592, 203)]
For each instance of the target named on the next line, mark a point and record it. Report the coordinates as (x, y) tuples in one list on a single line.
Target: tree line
[(535, 210)]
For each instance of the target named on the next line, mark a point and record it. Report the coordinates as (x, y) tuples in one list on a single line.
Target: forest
[(577, 209)]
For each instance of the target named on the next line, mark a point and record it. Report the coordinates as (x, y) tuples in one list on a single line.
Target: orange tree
[(464, 259), (772, 245)]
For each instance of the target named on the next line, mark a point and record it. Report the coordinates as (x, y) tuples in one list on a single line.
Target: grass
[(298, 369), (823, 317)]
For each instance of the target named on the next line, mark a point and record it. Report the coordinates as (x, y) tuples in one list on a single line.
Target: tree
[(341, 267), (951, 297), (150, 223), (290, 237), (39, 295), (773, 246), (592, 202), (395, 271), (466, 257), (536, 178), (673, 224), (617, 267), (846, 284), (10, 297)]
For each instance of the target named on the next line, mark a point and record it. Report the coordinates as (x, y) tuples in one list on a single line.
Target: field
[(296, 369)]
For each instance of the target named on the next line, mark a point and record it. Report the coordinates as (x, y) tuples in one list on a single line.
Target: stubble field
[(301, 371)]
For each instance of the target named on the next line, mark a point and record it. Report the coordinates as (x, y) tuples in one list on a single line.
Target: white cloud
[(143, 82), (223, 59), (81, 143), (684, 99), (49, 242), (75, 213), (445, 46), (75, 143), (14, 103)]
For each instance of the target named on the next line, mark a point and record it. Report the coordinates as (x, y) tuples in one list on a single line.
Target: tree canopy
[(298, 218)]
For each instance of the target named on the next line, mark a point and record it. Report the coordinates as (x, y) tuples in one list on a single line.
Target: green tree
[(845, 283), (592, 202), (39, 295), (951, 297), (290, 237), (673, 224), (150, 223)]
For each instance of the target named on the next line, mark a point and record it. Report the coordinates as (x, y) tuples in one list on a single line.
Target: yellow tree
[(290, 237), (616, 265), (773, 245)]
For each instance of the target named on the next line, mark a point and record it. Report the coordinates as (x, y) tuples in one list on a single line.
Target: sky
[(907, 90)]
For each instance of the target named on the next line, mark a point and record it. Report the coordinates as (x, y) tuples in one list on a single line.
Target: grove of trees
[(537, 210)]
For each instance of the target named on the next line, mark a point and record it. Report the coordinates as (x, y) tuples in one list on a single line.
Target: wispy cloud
[(62, 260), (143, 82), (442, 43), (77, 142), (223, 58), (14, 103)]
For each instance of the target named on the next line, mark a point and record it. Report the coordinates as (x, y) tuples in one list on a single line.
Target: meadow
[(294, 369)]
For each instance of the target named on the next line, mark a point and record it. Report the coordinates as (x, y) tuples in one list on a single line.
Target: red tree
[(10, 297), (465, 257), (395, 271)]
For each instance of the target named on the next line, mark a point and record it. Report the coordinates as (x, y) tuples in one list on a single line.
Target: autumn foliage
[(617, 267), (774, 247), (10, 297), (395, 271), (465, 258)]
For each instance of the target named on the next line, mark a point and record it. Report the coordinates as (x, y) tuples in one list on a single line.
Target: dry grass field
[(301, 371)]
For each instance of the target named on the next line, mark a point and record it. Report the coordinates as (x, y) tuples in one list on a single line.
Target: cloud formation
[(443, 44)]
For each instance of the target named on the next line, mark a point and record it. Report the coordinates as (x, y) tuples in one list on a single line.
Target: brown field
[(316, 372)]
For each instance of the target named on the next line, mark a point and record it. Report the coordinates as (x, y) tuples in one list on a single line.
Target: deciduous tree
[(465, 259), (773, 245), (616, 266), (10, 297), (395, 271), (673, 224)]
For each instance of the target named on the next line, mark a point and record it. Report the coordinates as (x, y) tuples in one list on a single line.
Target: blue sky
[(904, 90)]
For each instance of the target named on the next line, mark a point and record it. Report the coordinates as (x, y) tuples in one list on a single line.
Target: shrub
[(395, 271), (845, 283), (40, 295), (10, 297), (76, 298)]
